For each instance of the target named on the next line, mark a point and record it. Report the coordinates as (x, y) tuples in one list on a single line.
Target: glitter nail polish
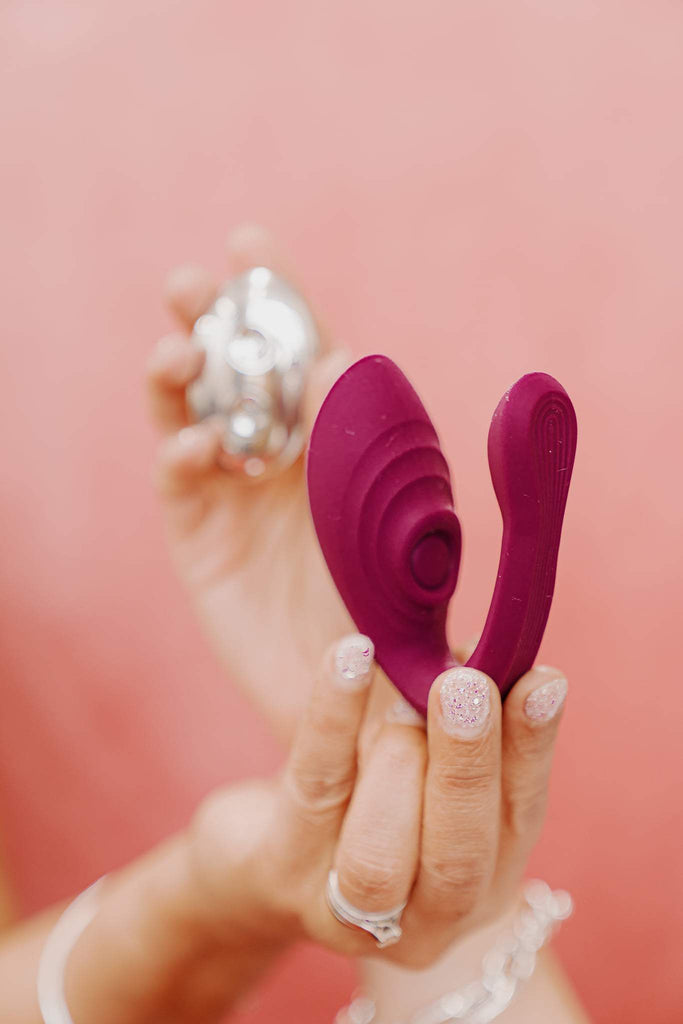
[(545, 701), (353, 660), (465, 702)]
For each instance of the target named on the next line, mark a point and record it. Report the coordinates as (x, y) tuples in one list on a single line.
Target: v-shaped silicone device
[(381, 500)]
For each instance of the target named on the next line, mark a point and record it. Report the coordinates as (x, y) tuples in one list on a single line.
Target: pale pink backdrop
[(477, 188)]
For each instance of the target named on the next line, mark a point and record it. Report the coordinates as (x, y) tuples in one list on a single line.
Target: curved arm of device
[(532, 443)]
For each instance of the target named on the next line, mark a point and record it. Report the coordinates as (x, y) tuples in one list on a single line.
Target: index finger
[(321, 770)]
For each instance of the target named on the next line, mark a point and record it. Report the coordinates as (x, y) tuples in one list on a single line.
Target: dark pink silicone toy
[(381, 500)]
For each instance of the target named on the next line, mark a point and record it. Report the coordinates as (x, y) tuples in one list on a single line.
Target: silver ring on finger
[(384, 926), (260, 341)]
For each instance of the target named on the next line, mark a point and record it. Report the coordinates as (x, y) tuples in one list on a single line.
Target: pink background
[(477, 188)]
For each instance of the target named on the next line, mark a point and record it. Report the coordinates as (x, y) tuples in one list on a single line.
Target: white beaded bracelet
[(60, 942), (510, 961)]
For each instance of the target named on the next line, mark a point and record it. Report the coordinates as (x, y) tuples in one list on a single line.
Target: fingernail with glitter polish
[(352, 662), (545, 701), (403, 713), (465, 702)]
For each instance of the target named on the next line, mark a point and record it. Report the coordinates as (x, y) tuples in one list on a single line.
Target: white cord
[(56, 950)]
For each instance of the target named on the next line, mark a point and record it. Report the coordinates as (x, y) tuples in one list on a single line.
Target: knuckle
[(320, 792), (474, 778), (370, 879), (216, 815), (453, 887), (207, 814), (324, 720), (217, 847)]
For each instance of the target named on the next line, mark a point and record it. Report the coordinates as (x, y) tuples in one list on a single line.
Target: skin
[(516, 754), (451, 833), (226, 534), (182, 932)]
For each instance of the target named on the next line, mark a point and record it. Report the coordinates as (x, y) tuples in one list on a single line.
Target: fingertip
[(188, 291), (349, 663), (546, 700), (464, 703), (539, 696), (198, 438), (174, 362)]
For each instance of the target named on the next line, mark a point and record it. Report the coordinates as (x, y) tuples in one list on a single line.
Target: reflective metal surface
[(260, 341)]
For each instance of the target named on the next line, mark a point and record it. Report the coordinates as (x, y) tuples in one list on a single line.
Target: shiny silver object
[(260, 341), (385, 927)]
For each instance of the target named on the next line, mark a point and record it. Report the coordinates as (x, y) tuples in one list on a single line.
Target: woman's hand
[(444, 819), (246, 552)]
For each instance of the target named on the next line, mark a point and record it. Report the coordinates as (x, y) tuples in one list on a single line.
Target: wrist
[(400, 990), (480, 975), (156, 951)]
